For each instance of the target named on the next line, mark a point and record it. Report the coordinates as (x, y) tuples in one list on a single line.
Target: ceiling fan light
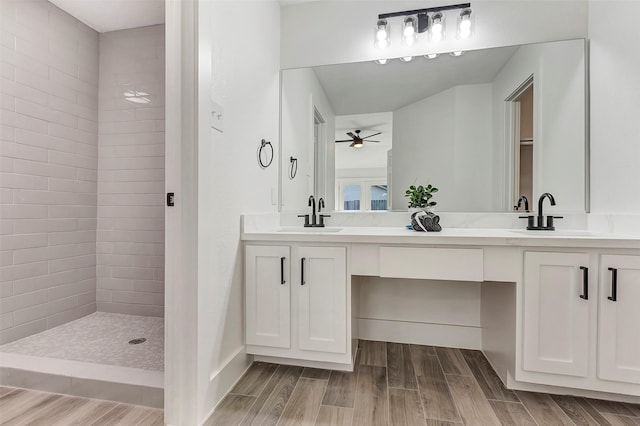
[(358, 144)]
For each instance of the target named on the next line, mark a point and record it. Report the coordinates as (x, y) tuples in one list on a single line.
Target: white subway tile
[(20, 331), (72, 263), (6, 289), (21, 91), (22, 241), (13, 211), (43, 253), (25, 152), (35, 168), (45, 141), (23, 181), (14, 303), (6, 321)]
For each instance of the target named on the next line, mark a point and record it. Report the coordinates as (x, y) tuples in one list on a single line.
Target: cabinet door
[(556, 318), (322, 299), (619, 319), (267, 296)]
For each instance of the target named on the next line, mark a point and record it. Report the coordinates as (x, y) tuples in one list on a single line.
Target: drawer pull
[(302, 271), (585, 283), (614, 285), (282, 281)]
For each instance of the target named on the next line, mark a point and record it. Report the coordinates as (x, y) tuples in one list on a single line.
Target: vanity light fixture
[(419, 21), (409, 31), (382, 34), (464, 24), (406, 58)]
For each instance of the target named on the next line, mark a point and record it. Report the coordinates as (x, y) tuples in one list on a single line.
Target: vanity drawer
[(432, 263)]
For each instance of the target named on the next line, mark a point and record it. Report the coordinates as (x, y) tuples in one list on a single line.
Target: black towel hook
[(269, 154), (293, 167)]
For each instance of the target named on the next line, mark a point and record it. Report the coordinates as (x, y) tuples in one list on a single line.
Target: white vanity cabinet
[(556, 311), (619, 319), (268, 296), (580, 317), (297, 300)]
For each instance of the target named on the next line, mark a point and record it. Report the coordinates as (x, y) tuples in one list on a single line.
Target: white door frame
[(180, 387)]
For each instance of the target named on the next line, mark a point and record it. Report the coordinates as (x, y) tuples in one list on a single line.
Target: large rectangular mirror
[(485, 127)]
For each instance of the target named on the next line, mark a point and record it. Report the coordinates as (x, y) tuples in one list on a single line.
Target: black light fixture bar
[(427, 10)]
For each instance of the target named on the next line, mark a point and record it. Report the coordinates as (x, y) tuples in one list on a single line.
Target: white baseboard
[(304, 363), (513, 384), (224, 378), (452, 336)]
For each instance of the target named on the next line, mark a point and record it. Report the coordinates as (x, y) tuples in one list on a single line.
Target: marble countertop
[(448, 236)]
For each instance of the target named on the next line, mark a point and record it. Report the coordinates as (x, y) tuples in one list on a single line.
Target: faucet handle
[(321, 219), (306, 219), (550, 221), (530, 224)]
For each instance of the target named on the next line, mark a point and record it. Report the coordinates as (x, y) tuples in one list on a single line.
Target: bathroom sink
[(303, 229), (557, 233)]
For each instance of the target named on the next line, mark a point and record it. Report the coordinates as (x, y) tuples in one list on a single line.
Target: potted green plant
[(420, 198)]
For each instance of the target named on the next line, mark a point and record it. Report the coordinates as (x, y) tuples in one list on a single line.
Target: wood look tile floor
[(395, 385), (21, 407)]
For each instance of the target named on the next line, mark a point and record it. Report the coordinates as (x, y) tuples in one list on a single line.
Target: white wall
[(241, 72), (301, 92), (330, 32), (48, 160), (430, 141), (615, 106), (130, 236), (559, 122)]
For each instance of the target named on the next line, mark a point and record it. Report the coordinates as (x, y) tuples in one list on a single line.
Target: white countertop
[(448, 236)]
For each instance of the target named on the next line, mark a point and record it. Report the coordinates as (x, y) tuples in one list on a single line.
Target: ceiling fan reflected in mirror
[(357, 141)]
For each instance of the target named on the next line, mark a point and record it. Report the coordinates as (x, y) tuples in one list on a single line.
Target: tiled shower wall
[(48, 168), (130, 247)]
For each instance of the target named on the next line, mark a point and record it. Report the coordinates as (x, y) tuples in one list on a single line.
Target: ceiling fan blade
[(351, 134), (372, 141), (370, 136), (346, 140), (352, 145)]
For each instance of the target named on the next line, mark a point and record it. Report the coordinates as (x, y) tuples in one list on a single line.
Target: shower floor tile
[(100, 338)]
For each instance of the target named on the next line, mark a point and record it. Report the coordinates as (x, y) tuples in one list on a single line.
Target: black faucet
[(522, 199), (312, 204), (540, 226), (314, 220), (321, 216)]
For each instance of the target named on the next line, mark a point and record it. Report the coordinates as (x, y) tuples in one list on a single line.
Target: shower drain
[(137, 341)]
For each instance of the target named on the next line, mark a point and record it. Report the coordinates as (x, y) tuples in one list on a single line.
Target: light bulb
[(382, 61), (464, 27), (406, 58), (409, 31), (437, 28), (432, 55), (382, 39)]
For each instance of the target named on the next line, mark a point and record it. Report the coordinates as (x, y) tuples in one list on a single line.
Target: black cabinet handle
[(282, 281), (585, 283), (614, 285), (302, 271)]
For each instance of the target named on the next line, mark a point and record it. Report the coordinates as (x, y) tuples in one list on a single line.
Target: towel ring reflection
[(293, 167), (268, 153)]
